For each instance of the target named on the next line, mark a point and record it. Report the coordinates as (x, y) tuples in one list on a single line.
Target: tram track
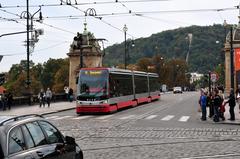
[(161, 143)]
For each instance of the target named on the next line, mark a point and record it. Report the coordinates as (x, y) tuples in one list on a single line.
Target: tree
[(144, 64)]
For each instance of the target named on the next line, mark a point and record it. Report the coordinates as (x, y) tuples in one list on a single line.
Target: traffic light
[(2, 78)]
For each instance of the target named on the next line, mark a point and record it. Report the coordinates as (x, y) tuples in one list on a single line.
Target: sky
[(62, 22)]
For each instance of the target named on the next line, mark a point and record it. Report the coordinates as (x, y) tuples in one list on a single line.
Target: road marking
[(127, 117), (184, 118), (51, 117), (104, 117), (82, 117), (63, 117), (213, 156), (151, 117), (168, 117)]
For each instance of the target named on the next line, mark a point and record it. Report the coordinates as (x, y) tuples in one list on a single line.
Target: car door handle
[(40, 154)]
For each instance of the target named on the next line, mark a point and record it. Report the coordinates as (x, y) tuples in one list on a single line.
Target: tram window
[(120, 85), (153, 84), (141, 84)]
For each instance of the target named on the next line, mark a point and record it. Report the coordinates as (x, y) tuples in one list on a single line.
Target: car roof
[(5, 120)]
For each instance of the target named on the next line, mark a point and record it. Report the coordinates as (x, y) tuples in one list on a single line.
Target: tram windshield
[(93, 85)]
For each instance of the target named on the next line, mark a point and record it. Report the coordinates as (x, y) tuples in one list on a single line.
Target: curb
[(57, 111)]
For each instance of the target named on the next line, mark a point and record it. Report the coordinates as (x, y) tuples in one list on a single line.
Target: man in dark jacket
[(217, 102), (232, 103)]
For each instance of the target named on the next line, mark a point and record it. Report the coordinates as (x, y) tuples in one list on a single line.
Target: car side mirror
[(70, 140)]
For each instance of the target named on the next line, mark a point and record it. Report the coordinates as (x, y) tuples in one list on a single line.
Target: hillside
[(205, 53)]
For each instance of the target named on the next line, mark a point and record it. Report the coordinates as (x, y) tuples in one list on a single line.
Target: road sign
[(214, 77)]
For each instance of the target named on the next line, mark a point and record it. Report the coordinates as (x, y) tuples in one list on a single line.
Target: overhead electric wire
[(136, 13), (52, 46), (89, 3), (162, 20), (99, 18), (8, 19), (58, 28)]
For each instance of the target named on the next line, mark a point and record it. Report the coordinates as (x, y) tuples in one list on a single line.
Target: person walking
[(66, 90), (70, 94), (203, 103), (3, 101), (48, 96), (9, 100), (41, 97), (231, 102), (217, 102)]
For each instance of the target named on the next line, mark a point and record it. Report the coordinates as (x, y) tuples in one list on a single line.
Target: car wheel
[(79, 155)]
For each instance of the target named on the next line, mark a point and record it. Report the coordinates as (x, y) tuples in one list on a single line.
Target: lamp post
[(26, 15), (125, 45)]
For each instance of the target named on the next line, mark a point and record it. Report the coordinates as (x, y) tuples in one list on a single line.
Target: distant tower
[(87, 46)]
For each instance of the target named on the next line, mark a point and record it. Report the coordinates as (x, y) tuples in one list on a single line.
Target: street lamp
[(26, 15), (125, 45)]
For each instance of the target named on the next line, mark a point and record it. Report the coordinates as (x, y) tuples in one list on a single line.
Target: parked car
[(33, 137), (177, 90)]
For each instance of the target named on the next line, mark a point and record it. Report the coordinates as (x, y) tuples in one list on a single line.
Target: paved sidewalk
[(35, 109), (226, 115)]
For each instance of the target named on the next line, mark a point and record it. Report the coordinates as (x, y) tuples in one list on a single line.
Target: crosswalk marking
[(81, 117), (151, 117), (63, 117), (127, 117), (168, 117), (184, 118), (104, 117)]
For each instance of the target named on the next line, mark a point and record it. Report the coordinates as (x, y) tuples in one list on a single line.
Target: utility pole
[(125, 46)]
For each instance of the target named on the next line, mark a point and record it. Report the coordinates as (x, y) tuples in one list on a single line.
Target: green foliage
[(205, 53), (53, 73)]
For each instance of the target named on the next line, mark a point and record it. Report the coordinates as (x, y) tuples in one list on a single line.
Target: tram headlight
[(105, 101)]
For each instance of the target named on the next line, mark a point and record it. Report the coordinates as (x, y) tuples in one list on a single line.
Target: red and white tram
[(109, 89)]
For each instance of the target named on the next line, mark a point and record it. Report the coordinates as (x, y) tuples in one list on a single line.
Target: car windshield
[(93, 84)]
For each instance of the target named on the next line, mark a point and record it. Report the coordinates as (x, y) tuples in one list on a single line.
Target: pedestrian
[(222, 107), (210, 104), (217, 102), (203, 103), (2, 101), (66, 90), (238, 96), (48, 96), (41, 97), (9, 100), (231, 102), (70, 94)]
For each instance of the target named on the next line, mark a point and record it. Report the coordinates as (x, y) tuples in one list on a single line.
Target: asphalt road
[(169, 128)]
